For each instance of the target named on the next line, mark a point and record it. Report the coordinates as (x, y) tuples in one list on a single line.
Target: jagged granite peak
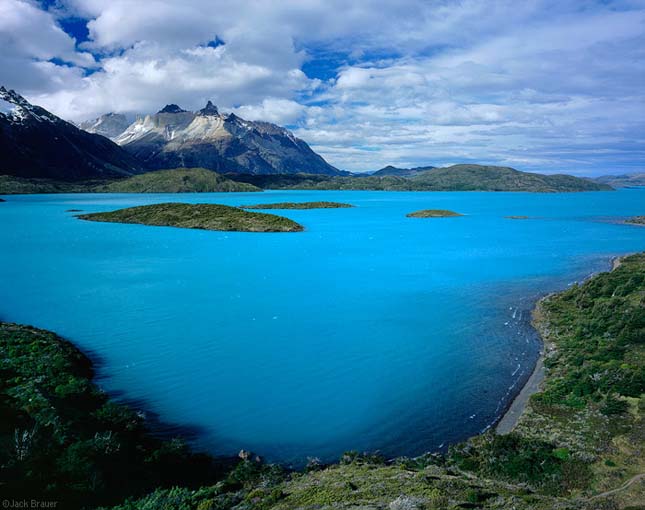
[(209, 109), (110, 125), (37, 143), (172, 108), (223, 143)]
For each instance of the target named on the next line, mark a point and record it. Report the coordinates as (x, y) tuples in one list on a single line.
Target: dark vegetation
[(63, 439), (433, 213), (299, 205), (581, 436), (199, 216), (600, 341), (636, 220)]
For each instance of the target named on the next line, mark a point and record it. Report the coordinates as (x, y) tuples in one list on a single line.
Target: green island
[(517, 217), (433, 213), (636, 220), (177, 180), (197, 216), (299, 205), (577, 446)]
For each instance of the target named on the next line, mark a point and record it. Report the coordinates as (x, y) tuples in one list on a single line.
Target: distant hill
[(453, 178), (37, 143), (623, 181), (401, 172), (500, 178), (178, 180)]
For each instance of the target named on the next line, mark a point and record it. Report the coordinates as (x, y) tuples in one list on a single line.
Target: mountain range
[(40, 151), (174, 137)]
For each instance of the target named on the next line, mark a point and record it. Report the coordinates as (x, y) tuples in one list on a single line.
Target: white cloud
[(539, 84)]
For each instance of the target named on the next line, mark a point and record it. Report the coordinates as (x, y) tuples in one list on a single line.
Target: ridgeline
[(453, 178)]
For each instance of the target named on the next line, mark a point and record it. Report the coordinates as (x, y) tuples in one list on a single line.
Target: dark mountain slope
[(36, 143)]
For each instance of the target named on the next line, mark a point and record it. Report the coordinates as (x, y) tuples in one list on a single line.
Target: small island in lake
[(299, 205), (516, 217), (433, 213), (636, 220), (199, 216)]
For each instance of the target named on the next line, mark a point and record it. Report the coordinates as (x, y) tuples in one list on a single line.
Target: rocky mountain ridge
[(37, 143)]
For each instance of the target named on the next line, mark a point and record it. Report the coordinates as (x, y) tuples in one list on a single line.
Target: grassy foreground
[(578, 446), (198, 216), (433, 213), (299, 205)]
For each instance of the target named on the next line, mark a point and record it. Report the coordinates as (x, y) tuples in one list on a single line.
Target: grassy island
[(577, 446), (199, 216), (516, 217), (433, 213), (636, 220), (299, 205)]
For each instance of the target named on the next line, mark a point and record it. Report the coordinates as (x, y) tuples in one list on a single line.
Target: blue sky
[(541, 85)]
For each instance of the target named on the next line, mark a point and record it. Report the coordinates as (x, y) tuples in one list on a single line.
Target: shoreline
[(509, 419)]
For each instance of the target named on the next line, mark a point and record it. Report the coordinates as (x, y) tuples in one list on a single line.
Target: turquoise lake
[(368, 331)]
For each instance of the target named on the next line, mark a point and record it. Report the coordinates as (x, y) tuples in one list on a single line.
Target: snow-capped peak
[(16, 108)]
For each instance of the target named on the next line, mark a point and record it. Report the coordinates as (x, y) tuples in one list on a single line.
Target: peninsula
[(299, 205), (198, 216)]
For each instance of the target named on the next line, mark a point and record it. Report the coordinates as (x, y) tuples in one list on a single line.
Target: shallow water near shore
[(368, 331)]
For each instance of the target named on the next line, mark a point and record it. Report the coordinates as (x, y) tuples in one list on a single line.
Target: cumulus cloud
[(543, 85)]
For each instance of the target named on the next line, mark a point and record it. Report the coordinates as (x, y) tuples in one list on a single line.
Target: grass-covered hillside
[(63, 439), (199, 216), (578, 446), (178, 180), (453, 178), (299, 205)]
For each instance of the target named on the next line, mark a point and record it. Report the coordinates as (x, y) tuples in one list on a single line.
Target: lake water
[(368, 331)]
